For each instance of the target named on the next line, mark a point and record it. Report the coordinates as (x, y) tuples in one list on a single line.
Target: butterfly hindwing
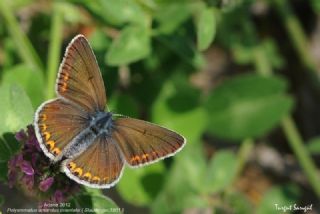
[(99, 166), (79, 78), (56, 123), (142, 142)]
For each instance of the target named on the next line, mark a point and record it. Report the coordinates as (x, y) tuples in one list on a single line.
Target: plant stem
[(302, 153), (243, 154), (23, 44), (296, 33), (54, 50), (261, 62), (292, 134)]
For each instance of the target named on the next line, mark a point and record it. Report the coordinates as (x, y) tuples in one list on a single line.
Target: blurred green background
[(238, 78)]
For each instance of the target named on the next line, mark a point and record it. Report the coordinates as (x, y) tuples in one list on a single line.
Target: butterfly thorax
[(101, 123)]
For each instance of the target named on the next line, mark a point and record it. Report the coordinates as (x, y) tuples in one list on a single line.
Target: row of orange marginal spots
[(46, 136), (144, 157), (78, 171), (65, 79)]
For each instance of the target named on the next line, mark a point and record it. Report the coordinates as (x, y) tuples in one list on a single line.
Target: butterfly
[(94, 144)]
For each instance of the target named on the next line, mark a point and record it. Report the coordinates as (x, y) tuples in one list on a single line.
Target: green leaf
[(278, 197), (247, 106), (96, 202), (314, 145), (3, 170), (132, 45), (103, 204), (8, 146), (116, 12), (122, 11), (140, 186), (164, 16), (16, 108), (175, 113), (184, 180), (206, 28), (220, 173), (30, 81)]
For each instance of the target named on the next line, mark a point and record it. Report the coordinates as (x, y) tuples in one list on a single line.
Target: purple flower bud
[(46, 184), (21, 136), (27, 168)]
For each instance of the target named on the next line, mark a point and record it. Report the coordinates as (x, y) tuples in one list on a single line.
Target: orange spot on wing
[(87, 176), (51, 144), (43, 117), (56, 151), (66, 77), (46, 135), (136, 158), (78, 171), (43, 127), (64, 87), (145, 156), (95, 179), (72, 166)]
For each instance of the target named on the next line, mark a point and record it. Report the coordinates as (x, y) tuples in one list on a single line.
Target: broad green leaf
[(95, 202), (184, 48), (247, 106), (277, 199), (10, 142), (171, 16), (314, 145), (4, 150), (122, 11), (116, 12), (140, 186), (206, 28), (184, 181), (30, 81), (3, 170), (99, 41), (132, 45), (16, 108), (103, 204), (71, 12), (175, 115), (220, 173)]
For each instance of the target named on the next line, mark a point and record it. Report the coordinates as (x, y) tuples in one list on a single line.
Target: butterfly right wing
[(56, 123), (144, 143)]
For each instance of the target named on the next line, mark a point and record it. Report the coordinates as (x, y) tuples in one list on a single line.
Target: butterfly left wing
[(79, 78), (57, 122), (99, 166), (143, 143)]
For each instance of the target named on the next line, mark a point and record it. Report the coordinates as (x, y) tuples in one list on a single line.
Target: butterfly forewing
[(57, 122), (99, 166), (142, 142), (79, 78)]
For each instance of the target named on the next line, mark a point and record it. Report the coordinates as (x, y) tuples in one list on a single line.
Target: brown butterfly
[(94, 143)]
